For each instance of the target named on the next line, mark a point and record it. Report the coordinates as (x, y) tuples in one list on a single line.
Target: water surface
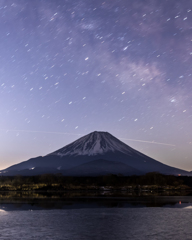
[(130, 217)]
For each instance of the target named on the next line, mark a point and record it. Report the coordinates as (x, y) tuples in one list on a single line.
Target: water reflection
[(10, 201), (59, 216), (2, 211)]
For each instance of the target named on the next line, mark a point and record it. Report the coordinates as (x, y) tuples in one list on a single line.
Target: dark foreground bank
[(58, 182)]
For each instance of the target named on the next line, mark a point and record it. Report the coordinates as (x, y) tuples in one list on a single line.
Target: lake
[(95, 217)]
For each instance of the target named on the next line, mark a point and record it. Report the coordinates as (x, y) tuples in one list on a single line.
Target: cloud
[(128, 73), (139, 73)]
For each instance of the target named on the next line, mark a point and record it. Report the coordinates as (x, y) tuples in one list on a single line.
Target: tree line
[(59, 182)]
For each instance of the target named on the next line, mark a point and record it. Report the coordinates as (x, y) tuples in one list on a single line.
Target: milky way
[(73, 67)]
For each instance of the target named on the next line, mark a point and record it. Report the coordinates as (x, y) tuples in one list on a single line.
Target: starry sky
[(68, 68)]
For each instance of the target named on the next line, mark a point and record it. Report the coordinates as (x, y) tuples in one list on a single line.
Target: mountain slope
[(101, 167)]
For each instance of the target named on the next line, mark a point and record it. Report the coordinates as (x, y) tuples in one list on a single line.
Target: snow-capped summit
[(93, 144)]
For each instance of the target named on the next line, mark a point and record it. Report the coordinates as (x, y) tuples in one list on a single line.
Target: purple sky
[(72, 67)]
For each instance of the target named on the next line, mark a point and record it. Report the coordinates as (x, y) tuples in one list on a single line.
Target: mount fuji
[(98, 153)]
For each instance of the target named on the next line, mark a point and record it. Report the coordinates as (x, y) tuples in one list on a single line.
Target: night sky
[(70, 67)]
